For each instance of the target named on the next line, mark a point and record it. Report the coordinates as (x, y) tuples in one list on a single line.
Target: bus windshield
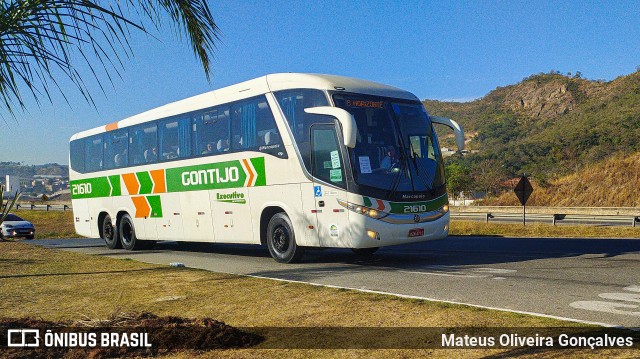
[(396, 148)]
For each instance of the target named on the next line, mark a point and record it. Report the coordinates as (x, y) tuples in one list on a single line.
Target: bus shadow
[(457, 255)]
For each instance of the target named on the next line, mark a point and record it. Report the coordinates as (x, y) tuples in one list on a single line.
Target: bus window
[(116, 149), (93, 154), (293, 103), (143, 144), (175, 139), (327, 162), (76, 155), (253, 127), (211, 131)]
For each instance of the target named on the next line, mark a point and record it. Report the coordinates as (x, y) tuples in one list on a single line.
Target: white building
[(12, 184)]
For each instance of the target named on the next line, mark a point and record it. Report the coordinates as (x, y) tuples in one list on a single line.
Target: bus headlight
[(445, 208), (365, 211)]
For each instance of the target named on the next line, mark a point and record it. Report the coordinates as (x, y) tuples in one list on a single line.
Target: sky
[(442, 50)]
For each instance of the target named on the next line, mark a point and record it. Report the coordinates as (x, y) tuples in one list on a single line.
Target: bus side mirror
[(457, 129), (348, 123)]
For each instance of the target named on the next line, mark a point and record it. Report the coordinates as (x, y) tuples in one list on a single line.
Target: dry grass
[(538, 230), (614, 182), (58, 285)]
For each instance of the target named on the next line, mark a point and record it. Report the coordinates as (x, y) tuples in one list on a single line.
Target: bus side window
[(211, 132), (254, 127), (93, 153), (175, 138), (116, 149), (143, 144), (76, 155)]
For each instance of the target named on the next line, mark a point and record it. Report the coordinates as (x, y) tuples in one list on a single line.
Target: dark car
[(14, 226)]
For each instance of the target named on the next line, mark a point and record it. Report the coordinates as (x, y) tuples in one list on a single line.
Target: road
[(592, 280)]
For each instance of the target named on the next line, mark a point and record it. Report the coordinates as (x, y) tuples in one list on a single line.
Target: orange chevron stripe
[(110, 127), (252, 176), (142, 207), (380, 205), (131, 182), (158, 178)]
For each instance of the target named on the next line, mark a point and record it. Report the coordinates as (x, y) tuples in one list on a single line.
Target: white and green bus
[(289, 161)]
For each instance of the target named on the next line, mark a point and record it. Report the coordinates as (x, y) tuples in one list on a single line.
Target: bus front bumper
[(368, 232)]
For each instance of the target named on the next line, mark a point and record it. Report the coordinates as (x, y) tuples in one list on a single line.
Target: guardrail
[(553, 218), (43, 207)]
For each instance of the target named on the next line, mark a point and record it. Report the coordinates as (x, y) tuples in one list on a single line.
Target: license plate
[(416, 232)]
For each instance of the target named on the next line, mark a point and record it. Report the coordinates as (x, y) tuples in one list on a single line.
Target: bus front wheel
[(281, 240), (109, 233)]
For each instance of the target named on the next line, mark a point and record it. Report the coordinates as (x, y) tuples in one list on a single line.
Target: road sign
[(523, 189)]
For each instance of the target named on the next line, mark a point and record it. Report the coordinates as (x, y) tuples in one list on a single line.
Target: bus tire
[(109, 233), (281, 239), (127, 233), (365, 252)]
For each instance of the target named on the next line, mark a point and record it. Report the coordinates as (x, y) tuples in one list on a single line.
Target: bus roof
[(255, 87)]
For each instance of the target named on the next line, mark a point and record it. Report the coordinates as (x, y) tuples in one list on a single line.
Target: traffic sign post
[(523, 190)]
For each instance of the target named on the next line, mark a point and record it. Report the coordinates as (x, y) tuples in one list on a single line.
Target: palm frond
[(39, 38)]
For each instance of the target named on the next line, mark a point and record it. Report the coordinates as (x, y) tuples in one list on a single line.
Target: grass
[(50, 224), (540, 230), (59, 285)]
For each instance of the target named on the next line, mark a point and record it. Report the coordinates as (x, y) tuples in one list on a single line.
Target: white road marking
[(607, 307), (629, 297), (445, 274), (494, 270), (613, 307)]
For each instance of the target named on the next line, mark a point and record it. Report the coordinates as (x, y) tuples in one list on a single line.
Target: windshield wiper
[(403, 168), (414, 156)]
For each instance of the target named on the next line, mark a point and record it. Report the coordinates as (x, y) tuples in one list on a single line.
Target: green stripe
[(156, 206), (90, 188), (146, 185), (258, 165), (115, 185), (418, 207), (412, 207), (229, 174)]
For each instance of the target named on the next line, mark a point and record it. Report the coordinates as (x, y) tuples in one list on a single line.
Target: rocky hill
[(548, 126), (613, 182), (28, 171)]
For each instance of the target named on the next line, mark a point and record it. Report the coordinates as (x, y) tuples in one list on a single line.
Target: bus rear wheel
[(127, 233), (281, 240), (109, 233)]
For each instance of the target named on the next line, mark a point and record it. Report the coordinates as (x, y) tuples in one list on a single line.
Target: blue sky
[(444, 50)]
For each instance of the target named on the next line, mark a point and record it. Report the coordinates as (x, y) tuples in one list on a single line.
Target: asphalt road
[(592, 280)]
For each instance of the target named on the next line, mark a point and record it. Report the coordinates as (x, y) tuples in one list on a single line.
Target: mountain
[(28, 171), (548, 126), (609, 183)]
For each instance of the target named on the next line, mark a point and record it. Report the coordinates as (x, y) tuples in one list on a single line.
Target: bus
[(289, 161)]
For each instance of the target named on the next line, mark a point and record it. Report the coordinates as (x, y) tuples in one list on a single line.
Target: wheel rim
[(107, 231), (281, 238), (127, 233)]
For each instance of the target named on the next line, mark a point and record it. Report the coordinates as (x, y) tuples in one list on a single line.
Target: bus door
[(232, 215), (197, 220), (327, 166)]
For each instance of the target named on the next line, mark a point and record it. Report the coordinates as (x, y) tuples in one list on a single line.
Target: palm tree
[(5, 207), (39, 38)]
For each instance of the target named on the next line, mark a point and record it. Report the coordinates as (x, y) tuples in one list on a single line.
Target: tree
[(458, 178), (39, 38)]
